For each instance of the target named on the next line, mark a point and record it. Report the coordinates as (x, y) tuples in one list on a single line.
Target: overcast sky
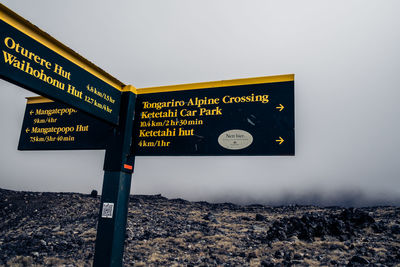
[(346, 58)]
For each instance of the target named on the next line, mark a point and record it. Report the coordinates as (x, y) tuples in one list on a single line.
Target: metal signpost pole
[(118, 169)]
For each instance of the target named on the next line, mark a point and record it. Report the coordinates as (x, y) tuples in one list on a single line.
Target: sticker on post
[(108, 209), (235, 139)]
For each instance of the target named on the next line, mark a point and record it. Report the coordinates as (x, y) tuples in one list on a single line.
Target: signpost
[(36, 61), (238, 117), (118, 169), (50, 125)]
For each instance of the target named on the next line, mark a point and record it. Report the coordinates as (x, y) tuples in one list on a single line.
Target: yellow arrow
[(280, 107), (27, 130), (280, 140)]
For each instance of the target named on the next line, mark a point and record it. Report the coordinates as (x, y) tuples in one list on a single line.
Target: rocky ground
[(59, 229)]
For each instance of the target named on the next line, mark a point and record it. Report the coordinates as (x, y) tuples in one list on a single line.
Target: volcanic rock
[(93, 193), (59, 229)]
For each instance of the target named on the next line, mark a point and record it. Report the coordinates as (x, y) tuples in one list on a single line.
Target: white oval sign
[(235, 139)]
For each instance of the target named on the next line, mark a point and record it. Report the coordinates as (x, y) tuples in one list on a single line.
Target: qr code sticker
[(107, 211)]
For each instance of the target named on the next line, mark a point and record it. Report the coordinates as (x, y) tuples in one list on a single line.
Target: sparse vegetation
[(59, 229)]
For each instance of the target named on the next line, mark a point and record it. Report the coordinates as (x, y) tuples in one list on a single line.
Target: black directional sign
[(29, 60), (237, 117), (51, 125)]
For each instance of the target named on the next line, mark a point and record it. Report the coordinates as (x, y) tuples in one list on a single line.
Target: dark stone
[(287, 263), (267, 263), (379, 227), (279, 254), (357, 260), (296, 262), (335, 246), (395, 229), (211, 217), (288, 256), (93, 193), (362, 251), (252, 255), (260, 217), (356, 217), (337, 228), (297, 256)]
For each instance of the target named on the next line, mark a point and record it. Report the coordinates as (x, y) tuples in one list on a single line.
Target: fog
[(344, 54)]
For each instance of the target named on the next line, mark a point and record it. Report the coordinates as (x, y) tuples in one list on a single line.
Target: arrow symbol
[(280, 140), (280, 107), (31, 112), (27, 130)]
